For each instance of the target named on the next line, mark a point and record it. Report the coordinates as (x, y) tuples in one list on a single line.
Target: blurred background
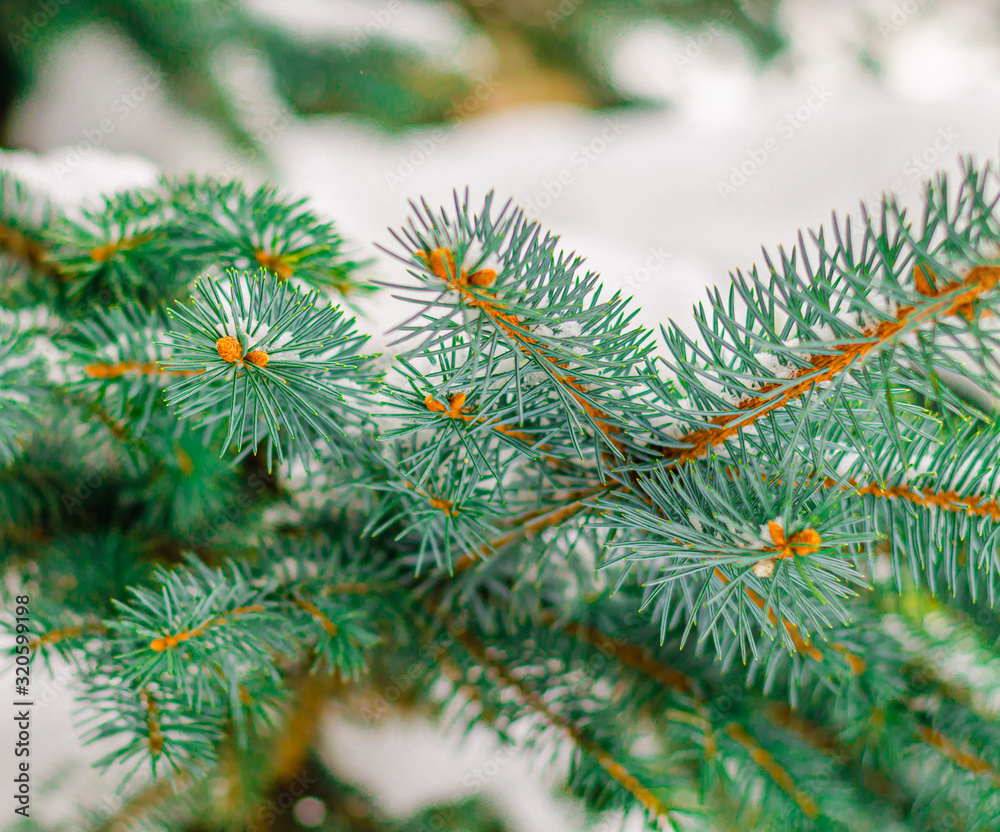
[(665, 140)]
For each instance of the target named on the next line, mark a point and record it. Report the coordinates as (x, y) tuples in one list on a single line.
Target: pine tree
[(747, 581)]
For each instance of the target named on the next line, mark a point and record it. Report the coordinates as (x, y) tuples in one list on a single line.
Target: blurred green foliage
[(543, 49)]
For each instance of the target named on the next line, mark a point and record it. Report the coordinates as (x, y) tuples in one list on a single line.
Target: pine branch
[(656, 809), (960, 758), (139, 804), (689, 703), (956, 298), (973, 505), (810, 445), (641, 660), (301, 728), (530, 524), (19, 245), (739, 735), (22, 216), (291, 375), (815, 398), (149, 244)]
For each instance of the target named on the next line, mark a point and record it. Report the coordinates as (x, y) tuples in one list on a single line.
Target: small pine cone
[(484, 277), (257, 357), (229, 349), (764, 568), (441, 262)]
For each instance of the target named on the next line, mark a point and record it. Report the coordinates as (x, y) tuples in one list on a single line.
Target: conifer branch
[(168, 641), (808, 439), (818, 737), (137, 806), (147, 368), (640, 659), (23, 247), (802, 645), (318, 614), (103, 253), (643, 795), (629, 654), (115, 427), (531, 523), (767, 763), (291, 373), (441, 263), (957, 298), (59, 635), (301, 727), (962, 759), (971, 504)]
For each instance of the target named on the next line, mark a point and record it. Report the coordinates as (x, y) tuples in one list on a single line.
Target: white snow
[(774, 365), (102, 172)]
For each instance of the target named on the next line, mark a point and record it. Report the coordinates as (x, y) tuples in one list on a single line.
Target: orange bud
[(433, 405), (441, 262), (229, 349), (985, 276), (443, 505), (102, 254), (804, 542), (258, 358), (484, 277)]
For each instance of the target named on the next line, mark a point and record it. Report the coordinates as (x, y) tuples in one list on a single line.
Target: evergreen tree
[(745, 582)]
